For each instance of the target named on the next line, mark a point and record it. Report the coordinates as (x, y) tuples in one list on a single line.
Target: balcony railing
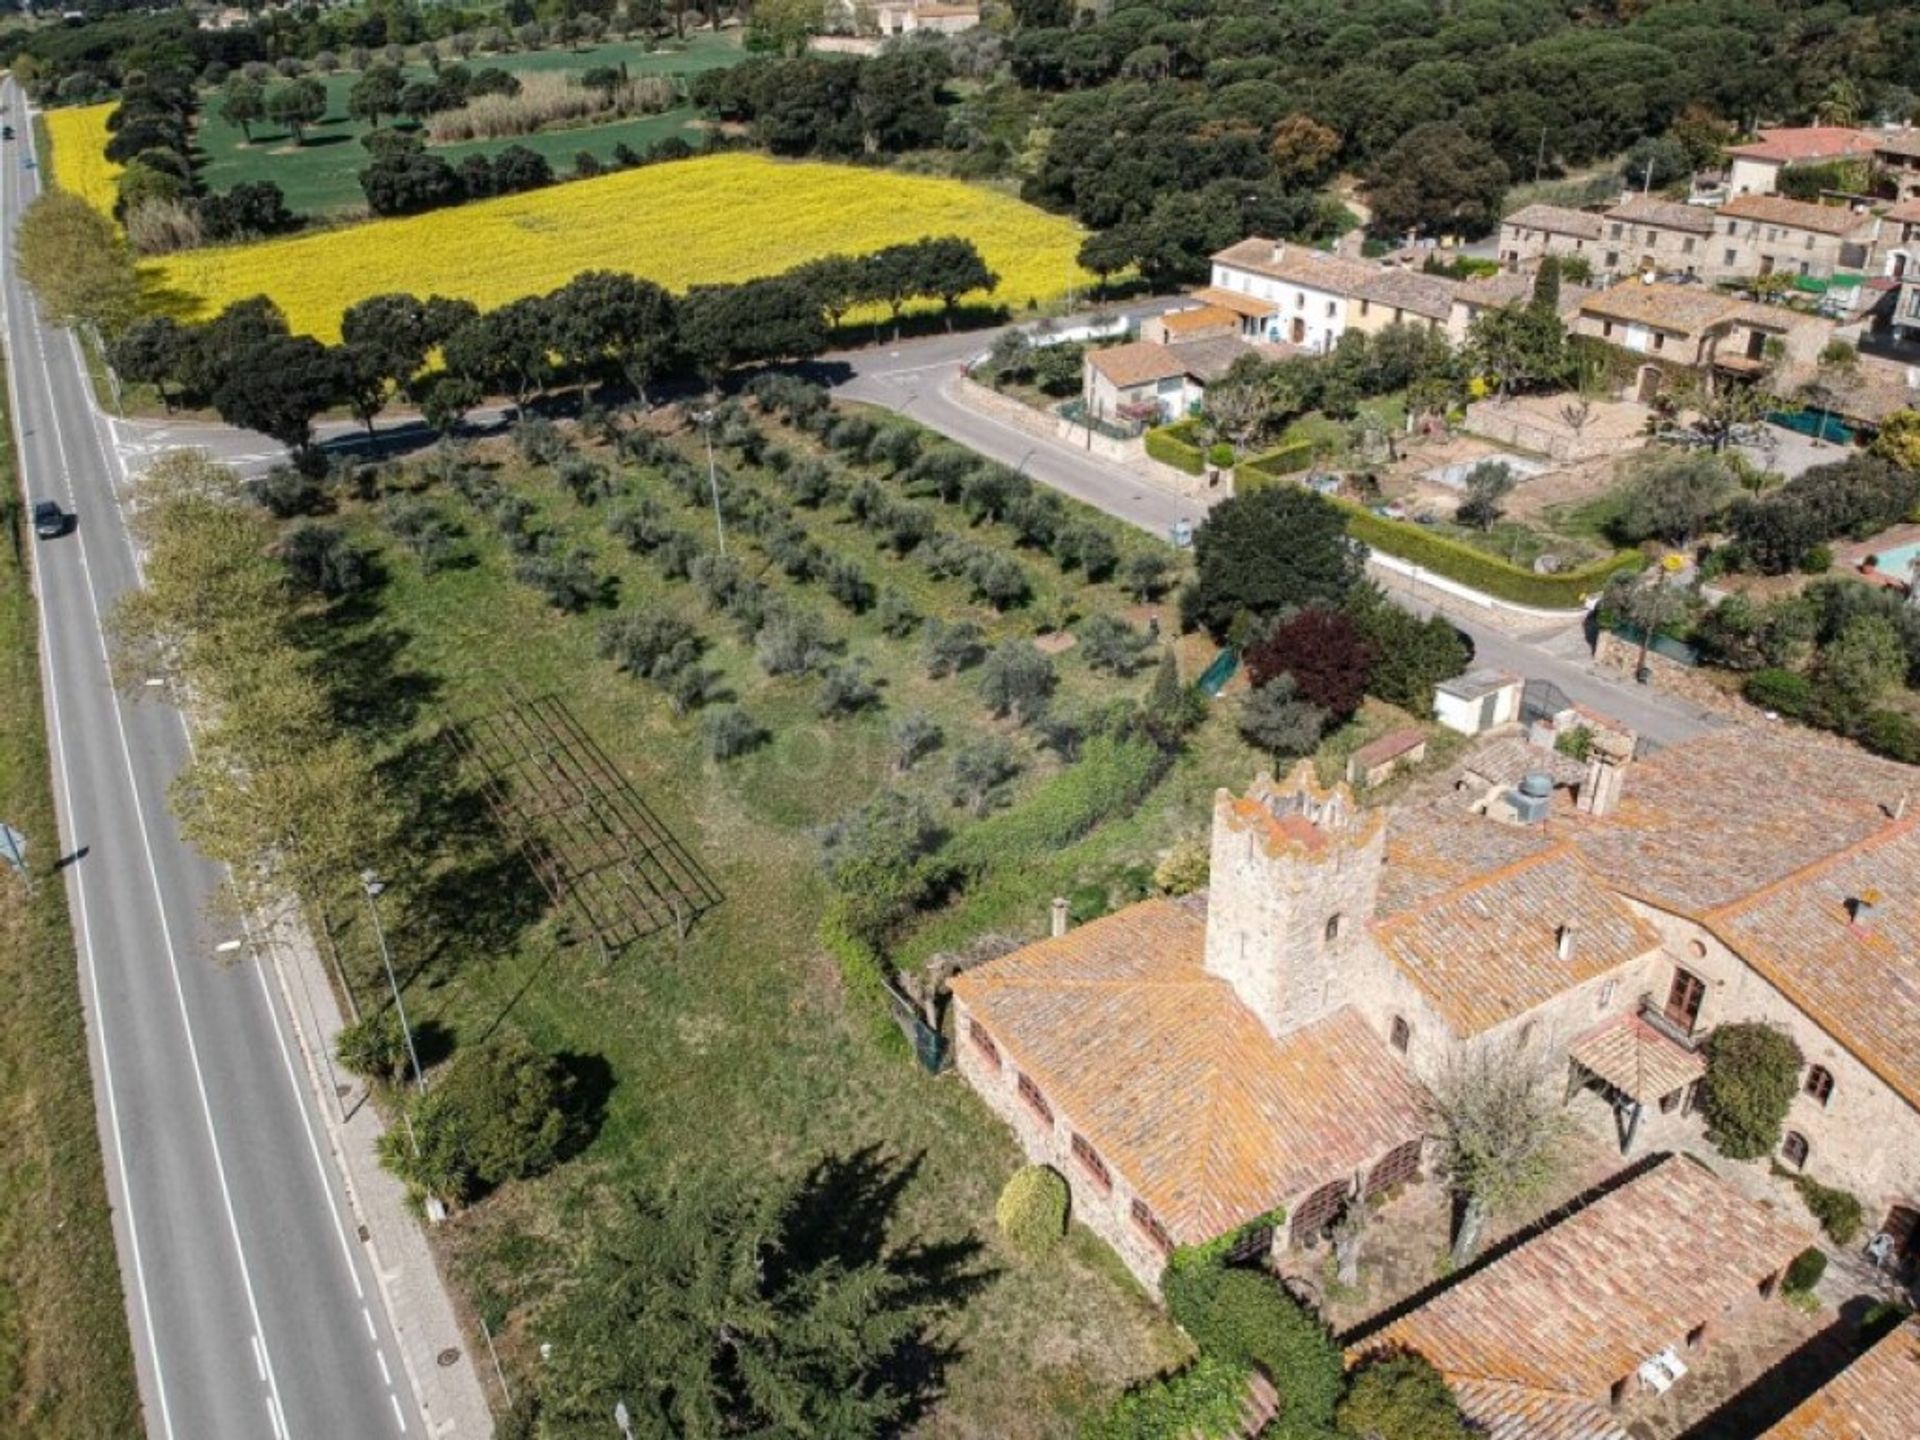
[(1656, 1017)]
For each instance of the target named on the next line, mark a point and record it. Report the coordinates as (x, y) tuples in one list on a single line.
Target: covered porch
[(1636, 1067)]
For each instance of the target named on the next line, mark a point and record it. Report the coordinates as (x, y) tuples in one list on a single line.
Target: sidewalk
[(444, 1374)]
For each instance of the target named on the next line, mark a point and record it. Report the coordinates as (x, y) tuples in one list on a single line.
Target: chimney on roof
[(1563, 941), (1607, 761), (1279, 251), (1862, 906), (1059, 916)]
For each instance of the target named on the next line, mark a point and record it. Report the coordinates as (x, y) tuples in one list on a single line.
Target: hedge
[(1478, 570), (1246, 1318), (1805, 1271), (863, 971), (1108, 780), (1839, 1212), (1206, 1401), (1169, 445), (1258, 471), (1032, 1209)]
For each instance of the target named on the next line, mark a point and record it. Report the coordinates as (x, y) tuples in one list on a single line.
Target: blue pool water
[(1896, 561)]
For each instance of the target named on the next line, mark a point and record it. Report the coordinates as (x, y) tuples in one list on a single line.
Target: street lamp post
[(372, 885), (705, 417)]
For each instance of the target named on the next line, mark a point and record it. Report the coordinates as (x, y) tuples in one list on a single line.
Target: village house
[(1558, 1338), (1645, 235), (1533, 232), (1303, 293), (1391, 295), (1770, 234), (1701, 329), (1473, 298), (1877, 1397), (1901, 265), (1191, 1064), (1754, 168), (1163, 376)]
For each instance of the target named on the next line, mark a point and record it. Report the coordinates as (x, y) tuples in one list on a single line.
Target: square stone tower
[(1295, 872)]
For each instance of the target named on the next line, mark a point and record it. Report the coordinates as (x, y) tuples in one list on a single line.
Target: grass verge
[(66, 1368)]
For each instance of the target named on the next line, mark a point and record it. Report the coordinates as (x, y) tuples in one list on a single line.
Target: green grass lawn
[(322, 176), (741, 1049), (66, 1372)]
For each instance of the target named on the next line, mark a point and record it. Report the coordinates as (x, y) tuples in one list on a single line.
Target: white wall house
[(1306, 290)]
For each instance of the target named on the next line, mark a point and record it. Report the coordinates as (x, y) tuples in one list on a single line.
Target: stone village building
[(1190, 1065)]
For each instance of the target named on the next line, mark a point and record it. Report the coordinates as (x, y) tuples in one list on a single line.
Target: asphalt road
[(252, 1308)]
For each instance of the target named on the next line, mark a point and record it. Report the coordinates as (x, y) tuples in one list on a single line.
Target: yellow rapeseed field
[(715, 219), (80, 164)]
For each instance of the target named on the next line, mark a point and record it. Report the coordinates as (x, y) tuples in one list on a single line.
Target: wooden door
[(1683, 1000), (1903, 1228)]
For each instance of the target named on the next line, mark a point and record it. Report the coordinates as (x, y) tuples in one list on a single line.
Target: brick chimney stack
[(1607, 761)]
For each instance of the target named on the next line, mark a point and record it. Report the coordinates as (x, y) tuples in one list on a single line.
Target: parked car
[(49, 520)]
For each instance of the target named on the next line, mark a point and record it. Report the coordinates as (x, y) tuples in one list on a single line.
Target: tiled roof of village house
[(1810, 142), (1298, 265), (1200, 317), (1907, 212), (1410, 290), (1209, 359), (1637, 1059), (1557, 219), (1511, 287), (1140, 362), (1665, 214), (1507, 760), (1513, 1412), (1173, 1080), (1487, 951), (1875, 1398), (1431, 849), (1686, 309), (1233, 300), (1859, 982), (1582, 1305), (1795, 214), (1706, 823)]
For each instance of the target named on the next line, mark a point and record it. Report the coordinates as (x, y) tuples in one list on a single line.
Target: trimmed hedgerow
[(1480, 571), (1257, 472), (1170, 446)]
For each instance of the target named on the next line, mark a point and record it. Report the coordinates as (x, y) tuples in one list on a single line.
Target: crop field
[(80, 164), (714, 219), (323, 175)]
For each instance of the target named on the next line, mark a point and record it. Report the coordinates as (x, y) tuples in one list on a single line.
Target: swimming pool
[(1898, 561)]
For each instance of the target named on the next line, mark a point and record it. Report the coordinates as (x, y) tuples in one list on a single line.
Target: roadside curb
[(452, 1397)]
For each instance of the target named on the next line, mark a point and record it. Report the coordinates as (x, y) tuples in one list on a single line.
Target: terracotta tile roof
[(1513, 1412), (1487, 950), (1635, 1058), (1298, 265), (1210, 358), (1140, 362), (1683, 309), (1410, 290), (1507, 760), (1557, 220), (1174, 1081), (1389, 747), (1431, 849), (1875, 1398), (1858, 982), (1907, 212), (1200, 317), (1811, 142), (1664, 214), (1583, 1304), (1795, 214), (1708, 822), (1510, 287), (1236, 302)]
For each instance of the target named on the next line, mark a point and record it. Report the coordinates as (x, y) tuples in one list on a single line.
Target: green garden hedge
[(1257, 472), (1172, 445), (1478, 570)]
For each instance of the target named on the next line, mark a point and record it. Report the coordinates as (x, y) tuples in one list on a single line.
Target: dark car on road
[(49, 520)]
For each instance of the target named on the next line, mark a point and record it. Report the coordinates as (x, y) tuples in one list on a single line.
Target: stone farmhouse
[(1559, 1337), (1875, 1398), (1192, 1064), (1702, 329)]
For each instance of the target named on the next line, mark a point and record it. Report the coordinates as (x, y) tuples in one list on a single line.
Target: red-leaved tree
[(1325, 653)]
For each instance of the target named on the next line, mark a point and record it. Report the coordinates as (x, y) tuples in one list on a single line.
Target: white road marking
[(385, 1374), (259, 1361), (153, 875), (367, 1316), (86, 942), (398, 1414)]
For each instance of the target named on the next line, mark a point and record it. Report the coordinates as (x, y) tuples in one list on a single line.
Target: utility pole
[(705, 417), (1540, 160)]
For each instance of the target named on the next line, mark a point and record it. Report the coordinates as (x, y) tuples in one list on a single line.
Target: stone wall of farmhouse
[(1109, 1214), (1866, 1138)]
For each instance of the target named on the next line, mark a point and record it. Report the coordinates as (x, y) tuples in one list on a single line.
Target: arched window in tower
[(1334, 925)]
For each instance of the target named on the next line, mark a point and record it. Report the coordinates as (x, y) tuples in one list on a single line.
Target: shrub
[(424, 529), (322, 560), (1205, 1401), (651, 646), (848, 584), (1892, 734), (915, 735), (1110, 644), (730, 731), (898, 619), (1839, 1212), (1032, 1209), (951, 647), (285, 492), (1753, 1073), (1185, 868), (846, 689), (1400, 1396), (876, 859), (375, 1047), (1017, 680), (566, 581), (791, 643), (1805, 1271), (1170, 446), (1782, 691), (980, 771), (1244, 1317), (1220, 455)]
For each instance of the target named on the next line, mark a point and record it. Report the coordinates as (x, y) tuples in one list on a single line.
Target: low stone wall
[(1515, 423), (1670, 677), (1004, 407)]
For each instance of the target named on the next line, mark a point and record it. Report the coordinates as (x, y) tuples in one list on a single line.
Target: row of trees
[(601, 326)]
